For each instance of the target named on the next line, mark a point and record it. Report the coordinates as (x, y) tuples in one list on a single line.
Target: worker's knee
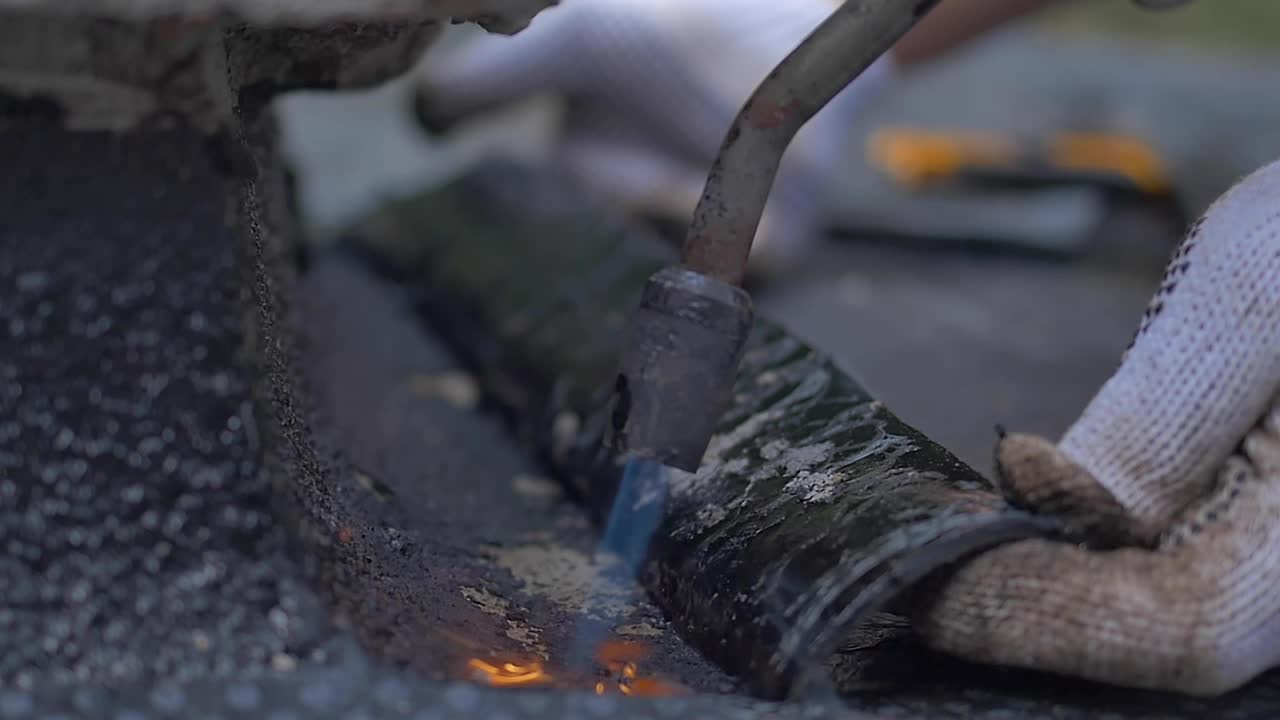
[(613, 31)]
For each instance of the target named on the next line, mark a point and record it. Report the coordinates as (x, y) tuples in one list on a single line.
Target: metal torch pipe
[(725, 221)]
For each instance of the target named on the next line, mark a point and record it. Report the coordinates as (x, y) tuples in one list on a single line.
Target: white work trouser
[(654, 86)]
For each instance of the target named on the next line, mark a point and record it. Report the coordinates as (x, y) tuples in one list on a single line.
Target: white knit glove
[(1156, 464), (656, 84)]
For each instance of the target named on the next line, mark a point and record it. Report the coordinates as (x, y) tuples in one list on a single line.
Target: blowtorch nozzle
[(681, 356), (679, 363)]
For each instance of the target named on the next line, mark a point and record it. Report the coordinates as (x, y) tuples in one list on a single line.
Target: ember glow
[(617, 672), (509, 674), (628, 681), (621, 660), (616, 652)]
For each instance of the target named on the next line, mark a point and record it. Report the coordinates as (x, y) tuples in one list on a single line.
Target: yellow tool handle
[(914, 157), (1100, 152)]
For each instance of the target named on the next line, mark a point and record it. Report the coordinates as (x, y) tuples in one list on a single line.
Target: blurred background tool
[(1066, 83), (918, 158), (1045, 193)]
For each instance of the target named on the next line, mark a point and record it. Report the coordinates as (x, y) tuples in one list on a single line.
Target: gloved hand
[(1177, 462)]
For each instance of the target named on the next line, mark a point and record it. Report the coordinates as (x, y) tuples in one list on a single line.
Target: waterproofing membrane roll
[(814, 507)]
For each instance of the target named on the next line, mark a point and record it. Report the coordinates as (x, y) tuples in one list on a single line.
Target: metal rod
[(838, 51)]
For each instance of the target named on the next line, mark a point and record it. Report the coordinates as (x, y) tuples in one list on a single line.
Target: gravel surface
[(139, 541)]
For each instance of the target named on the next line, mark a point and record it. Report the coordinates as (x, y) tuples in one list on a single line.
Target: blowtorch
[(687, 337)]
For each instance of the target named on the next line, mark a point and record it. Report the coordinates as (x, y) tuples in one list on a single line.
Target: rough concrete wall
[(110, 73), (112, 63), (504, 16)]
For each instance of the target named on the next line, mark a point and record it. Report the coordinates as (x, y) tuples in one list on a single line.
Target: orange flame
[(621, 651), (509, 674), (620, 672), (653, 687)]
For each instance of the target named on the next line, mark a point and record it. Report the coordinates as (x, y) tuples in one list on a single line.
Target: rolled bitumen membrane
[(815, 506)]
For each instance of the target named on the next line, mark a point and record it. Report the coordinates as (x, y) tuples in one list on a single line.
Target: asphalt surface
[(139, 541)]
